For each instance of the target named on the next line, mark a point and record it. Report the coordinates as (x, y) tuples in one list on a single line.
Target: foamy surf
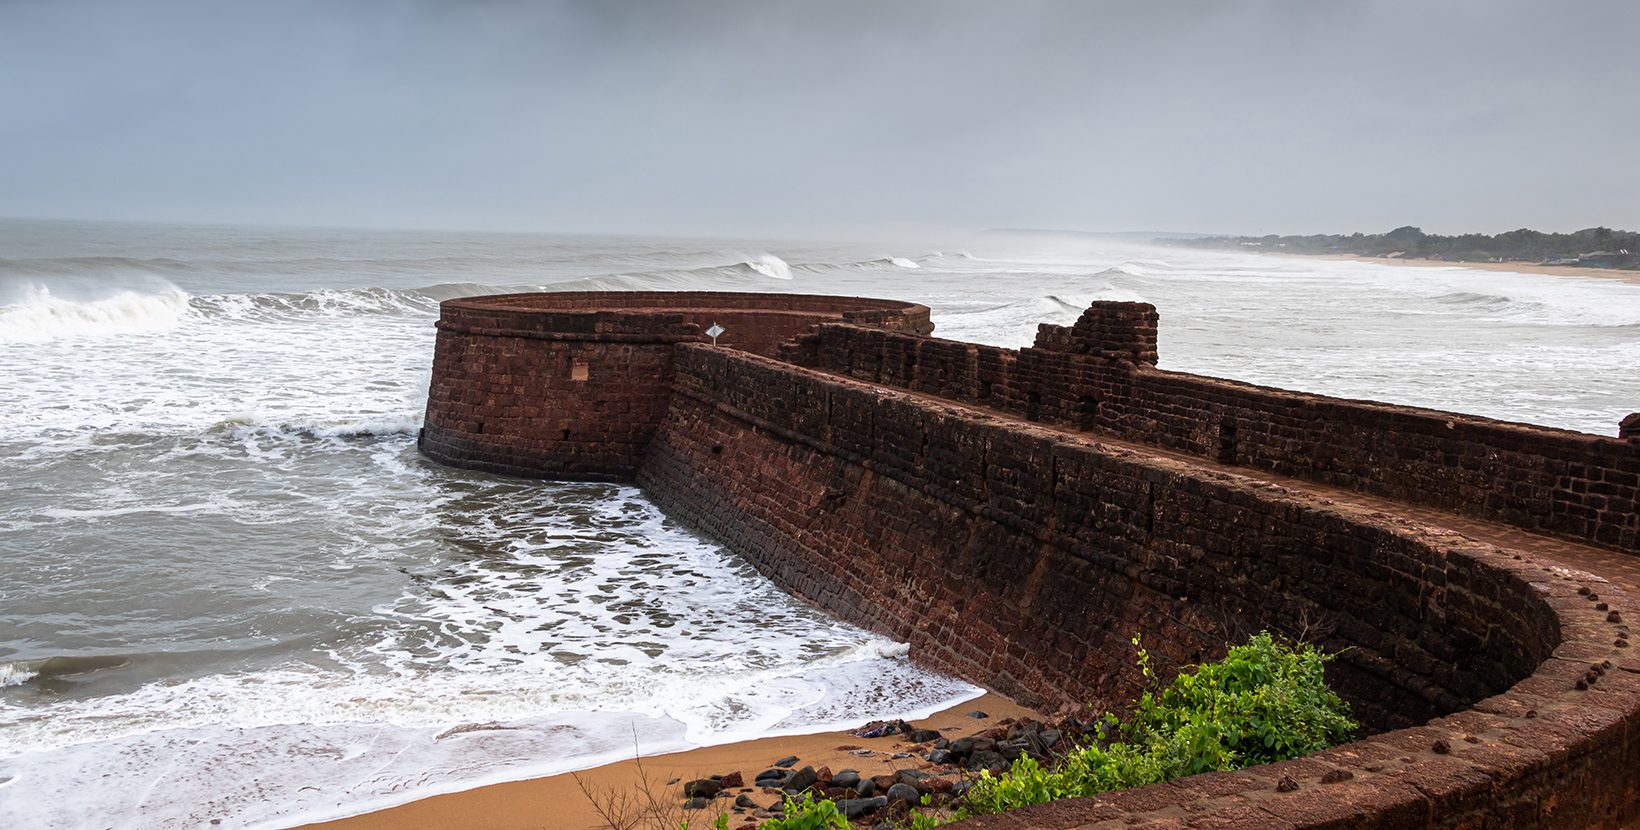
[(280, 755), (41, 316)]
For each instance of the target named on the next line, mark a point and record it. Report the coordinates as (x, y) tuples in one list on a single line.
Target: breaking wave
[(770, 266), (40, 316)]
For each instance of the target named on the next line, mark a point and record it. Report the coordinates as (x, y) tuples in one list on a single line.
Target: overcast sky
[(764, 117)]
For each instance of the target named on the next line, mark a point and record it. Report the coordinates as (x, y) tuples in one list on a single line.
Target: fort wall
[(1100, 375), (572, 385), (1028, 558), (1024, 557)]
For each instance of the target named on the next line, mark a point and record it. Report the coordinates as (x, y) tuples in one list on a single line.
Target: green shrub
[(1265, 701), (804, 813)]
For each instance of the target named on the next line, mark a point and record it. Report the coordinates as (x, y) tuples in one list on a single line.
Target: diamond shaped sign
[(713, 332)]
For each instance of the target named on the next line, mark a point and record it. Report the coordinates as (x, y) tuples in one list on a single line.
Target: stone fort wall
[(572, 385), (1100, 375), (1023, 558)]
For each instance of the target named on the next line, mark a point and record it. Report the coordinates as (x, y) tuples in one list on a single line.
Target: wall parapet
[(1563, 483)]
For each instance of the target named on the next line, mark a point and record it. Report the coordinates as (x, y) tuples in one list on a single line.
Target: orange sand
[(558, 803)]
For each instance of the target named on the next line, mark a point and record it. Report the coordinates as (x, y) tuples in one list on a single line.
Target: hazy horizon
[(767, 119)]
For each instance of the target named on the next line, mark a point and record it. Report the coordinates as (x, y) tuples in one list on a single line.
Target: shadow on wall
[(1023, 558)]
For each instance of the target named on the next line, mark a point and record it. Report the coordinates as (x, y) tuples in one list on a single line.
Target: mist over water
[(230, 588)]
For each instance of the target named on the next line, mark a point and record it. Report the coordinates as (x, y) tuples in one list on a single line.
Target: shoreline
[(1506, 267), (558, 802)]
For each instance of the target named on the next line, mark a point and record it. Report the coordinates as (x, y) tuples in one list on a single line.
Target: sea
[(232, 593)]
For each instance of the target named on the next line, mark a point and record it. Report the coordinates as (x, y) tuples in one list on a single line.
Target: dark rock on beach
[(904, 792), (854, 808), (702, 788), (802, 779), (986, 759), (968, 746)]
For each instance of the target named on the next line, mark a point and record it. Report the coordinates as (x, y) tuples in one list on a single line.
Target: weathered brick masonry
[(1100, 375), (572, 385), (1023, 557)]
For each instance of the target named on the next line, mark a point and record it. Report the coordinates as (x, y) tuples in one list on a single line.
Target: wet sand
[(559, 803)]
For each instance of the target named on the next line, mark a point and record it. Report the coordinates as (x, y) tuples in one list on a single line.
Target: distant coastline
[(1507, 267), (1590, 249)]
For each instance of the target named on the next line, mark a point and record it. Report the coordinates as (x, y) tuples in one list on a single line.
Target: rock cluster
[(938, 783)]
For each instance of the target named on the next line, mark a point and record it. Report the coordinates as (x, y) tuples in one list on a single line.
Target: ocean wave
[(18, 672), (903, 262), (93, 268), (1014, 324), (1470, 298), (266, 750), (347, 302), (1532, 300), (452, 290), (770, 266), (1126, 269), (42, 317), (404, 423)]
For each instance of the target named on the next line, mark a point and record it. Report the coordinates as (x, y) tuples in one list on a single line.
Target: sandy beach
[(558, 802), (1510, 267)]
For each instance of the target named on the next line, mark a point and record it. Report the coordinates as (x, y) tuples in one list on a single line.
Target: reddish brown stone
[(895, 483)]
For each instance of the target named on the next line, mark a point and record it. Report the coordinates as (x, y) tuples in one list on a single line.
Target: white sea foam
[(1015, 324), (16, 673), (554, 636), (40, 316), (771, 266), (278, 748), (903, 262)]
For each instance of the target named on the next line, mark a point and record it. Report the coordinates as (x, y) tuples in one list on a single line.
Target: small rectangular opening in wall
[(578, 370), (1088, 411), (1227, 441)]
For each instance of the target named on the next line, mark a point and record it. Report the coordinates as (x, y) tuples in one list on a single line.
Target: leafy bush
[(804, 813), (1265, 701)]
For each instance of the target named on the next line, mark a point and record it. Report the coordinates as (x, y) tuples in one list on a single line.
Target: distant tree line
[(1594, 247)]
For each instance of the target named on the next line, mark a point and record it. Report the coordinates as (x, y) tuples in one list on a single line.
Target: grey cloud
[(749, 117)]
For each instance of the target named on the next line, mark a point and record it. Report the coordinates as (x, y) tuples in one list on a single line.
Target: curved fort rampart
[(1017, 515)]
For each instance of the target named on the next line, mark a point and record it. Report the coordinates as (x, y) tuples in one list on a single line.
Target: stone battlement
[(1017, 515)]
